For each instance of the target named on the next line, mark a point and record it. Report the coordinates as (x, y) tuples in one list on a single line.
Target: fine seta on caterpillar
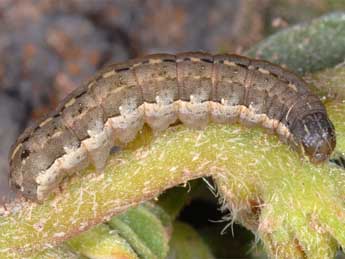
[(194, 88)]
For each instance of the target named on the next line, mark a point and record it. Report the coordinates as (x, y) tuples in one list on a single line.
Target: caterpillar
[(194, 88)]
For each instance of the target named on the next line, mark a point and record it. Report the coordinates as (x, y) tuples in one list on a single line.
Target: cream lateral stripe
[(283, 130)]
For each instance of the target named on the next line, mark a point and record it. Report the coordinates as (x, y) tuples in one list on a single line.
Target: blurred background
[(48, 48)]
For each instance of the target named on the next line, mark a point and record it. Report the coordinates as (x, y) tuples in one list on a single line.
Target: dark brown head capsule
[(316, 134)]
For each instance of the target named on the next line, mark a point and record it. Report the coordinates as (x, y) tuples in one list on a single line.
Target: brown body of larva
[(194, 88)]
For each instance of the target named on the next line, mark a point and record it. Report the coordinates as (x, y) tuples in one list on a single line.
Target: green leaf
[(61, 252), (187, 244), (308, 47), (102, 242), (144, 232)]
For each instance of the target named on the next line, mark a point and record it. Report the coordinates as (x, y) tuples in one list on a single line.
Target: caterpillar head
[(315, 132)]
